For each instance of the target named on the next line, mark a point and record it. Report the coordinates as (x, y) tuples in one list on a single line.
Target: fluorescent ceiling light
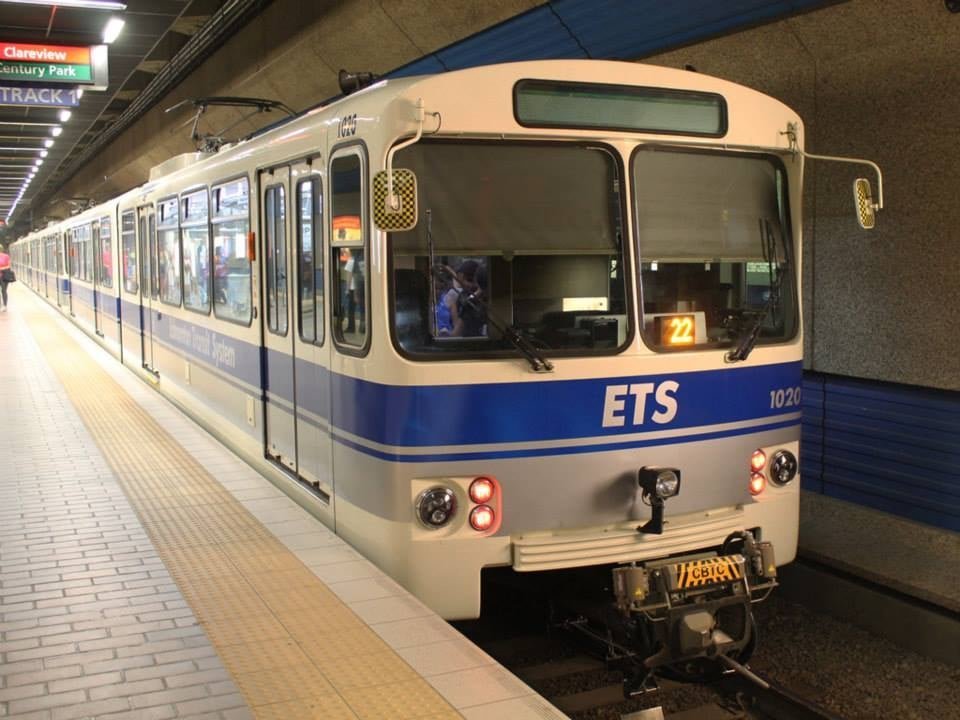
[(56, 131), (86, 4), (111, 30), (65, 115), (48, 143), (44, 153)]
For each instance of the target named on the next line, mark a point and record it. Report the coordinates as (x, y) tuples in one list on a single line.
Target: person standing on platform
[(6, 277)]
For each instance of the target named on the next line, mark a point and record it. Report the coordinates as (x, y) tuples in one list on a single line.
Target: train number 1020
[(347, 126), (785, 397)]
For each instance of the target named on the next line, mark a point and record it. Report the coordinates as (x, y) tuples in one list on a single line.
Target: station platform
[(148, 573)]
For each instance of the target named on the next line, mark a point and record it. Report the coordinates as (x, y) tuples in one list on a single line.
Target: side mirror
[(863, 202), (395, 203)]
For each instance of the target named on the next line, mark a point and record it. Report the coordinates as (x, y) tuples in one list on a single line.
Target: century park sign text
[(54, 64)]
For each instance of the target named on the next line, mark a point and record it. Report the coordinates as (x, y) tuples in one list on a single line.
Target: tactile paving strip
[(293, 648)]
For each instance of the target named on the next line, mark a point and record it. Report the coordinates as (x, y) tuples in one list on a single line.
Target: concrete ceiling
[(153, 33)]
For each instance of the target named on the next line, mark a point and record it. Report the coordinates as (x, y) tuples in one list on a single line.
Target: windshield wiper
[(512, 333), (748, 339), (516, 336)]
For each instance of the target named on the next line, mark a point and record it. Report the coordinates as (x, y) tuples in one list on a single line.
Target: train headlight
[(661, 483), (482, 517), (481, 490), (758, 483), (783, 467), (436, 507), (657, 485)]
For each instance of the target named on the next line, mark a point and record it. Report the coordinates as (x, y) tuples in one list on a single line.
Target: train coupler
[(696, 606)]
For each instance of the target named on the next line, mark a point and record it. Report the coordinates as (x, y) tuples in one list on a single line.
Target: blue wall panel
[(892, 447)]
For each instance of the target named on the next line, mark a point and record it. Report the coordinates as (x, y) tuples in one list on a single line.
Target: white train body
[(631, 221)]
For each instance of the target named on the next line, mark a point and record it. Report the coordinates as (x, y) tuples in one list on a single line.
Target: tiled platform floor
[(97, 620)]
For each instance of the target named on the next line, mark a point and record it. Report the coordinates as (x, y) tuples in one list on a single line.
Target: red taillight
[(758, 483), (482, 517), (481, 490), (758, 461)]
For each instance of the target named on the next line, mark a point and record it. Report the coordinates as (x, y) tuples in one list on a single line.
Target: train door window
[(86, 254), (128, 241), (348, 231), (195, 237), (93, 266), (310, 254), (168, 252), (50, 264), (106, 252), (275, 219), (230, 218)]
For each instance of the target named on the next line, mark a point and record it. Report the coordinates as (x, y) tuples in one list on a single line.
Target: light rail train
[(541, 315)]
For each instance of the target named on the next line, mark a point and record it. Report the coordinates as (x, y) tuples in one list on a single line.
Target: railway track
[(583, 687)]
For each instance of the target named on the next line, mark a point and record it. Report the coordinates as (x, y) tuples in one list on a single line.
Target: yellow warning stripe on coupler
[(709, 571)]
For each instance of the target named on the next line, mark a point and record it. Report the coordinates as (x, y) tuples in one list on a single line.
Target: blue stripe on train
[(535, 411), (554, 410)]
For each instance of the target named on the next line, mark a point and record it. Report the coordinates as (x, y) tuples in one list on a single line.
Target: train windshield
[(513, 239), (713, 234)]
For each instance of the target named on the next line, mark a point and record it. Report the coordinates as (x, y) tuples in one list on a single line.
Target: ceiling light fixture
[(43, 153), (56, 131), (85, 4), (48, 143), (65, 115), (111, 30)]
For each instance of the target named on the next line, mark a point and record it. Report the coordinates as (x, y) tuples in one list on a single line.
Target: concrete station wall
[(875, 79)]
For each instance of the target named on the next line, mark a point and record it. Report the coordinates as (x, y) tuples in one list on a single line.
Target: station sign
[(39, 96), (54, 64)]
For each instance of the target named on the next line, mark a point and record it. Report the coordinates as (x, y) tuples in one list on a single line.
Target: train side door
[(279, 359), (311, 345), (149, 286)]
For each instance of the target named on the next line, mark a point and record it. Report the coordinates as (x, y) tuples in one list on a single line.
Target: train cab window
[(231, 261), (195, 235), (348, 259), (168, 251), (310, 254), (275, 256), (713, 234), (515, 240), (105, 257), (128, 242)]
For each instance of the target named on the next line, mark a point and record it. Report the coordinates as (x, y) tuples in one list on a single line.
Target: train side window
[(348, 261), (275, 256), (310, 255), (168, 250), (195, 238), (128, 241), (231, 261), (106, 252)]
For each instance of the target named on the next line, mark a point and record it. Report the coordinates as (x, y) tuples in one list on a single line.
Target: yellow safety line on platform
[(293, 648)]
